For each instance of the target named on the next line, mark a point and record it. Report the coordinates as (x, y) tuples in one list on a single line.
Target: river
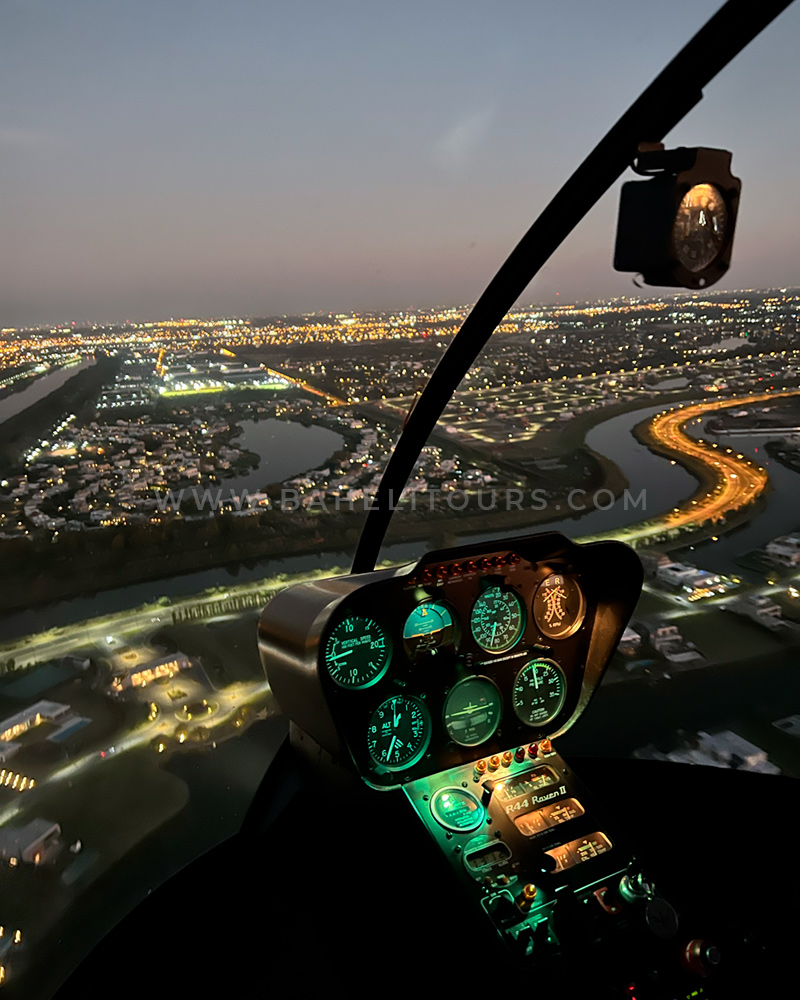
[(15, 403), (665, 485), (222, 784), (780, 516)]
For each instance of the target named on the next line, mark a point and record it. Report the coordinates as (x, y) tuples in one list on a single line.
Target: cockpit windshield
[(238, 240)]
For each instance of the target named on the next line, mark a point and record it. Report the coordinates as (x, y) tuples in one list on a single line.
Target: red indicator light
[(532, 749), (427, 576), (486, 565), (519, 754), (442, 571), (513, 558), (456, 569), (470, 567)]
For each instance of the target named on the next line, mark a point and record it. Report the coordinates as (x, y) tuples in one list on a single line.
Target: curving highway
[(737, 481)]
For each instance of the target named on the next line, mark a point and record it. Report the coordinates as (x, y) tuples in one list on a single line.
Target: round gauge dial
[(399, 732), (472, 711), (559, 606), (457, 809), (497, 620), (700, 229), (357, 652), (429, 627), (539, 692)]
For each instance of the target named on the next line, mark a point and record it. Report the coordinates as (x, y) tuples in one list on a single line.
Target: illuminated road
[(329, 399), (109, 632), (738, 481)]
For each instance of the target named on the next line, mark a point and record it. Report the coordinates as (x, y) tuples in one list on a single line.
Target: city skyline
[(195, 162), (453, 312)]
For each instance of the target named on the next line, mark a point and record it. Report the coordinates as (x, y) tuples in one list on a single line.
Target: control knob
[(700, 957)]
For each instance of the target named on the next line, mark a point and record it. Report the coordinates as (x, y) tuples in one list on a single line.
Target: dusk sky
[(191, 158)]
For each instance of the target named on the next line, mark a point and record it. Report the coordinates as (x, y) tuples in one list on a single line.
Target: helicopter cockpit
[(419, 830)]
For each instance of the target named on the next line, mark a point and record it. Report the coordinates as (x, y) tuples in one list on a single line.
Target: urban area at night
[(161, 481)]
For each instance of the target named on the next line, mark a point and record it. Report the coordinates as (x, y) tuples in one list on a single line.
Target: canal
[(17, 402), (665, 486)]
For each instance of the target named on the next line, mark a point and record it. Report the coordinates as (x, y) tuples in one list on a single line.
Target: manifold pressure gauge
[(676, 228)]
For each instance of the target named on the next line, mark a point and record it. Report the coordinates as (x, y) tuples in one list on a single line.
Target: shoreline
[(261, 539), (322, 533)]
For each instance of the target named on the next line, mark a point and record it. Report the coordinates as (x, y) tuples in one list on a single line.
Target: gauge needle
[(341, 656), (395, 717), (494, 629), (391, 747)]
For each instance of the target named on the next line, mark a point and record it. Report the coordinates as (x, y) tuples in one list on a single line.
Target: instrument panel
[(478, 654), (410, 671), (447, 679)]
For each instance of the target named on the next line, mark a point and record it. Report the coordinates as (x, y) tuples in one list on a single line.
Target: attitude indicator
[(429, 627)]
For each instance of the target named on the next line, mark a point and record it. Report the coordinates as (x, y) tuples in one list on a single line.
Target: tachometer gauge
[(497, 620), (539, 692), (559, 606), (429, 627), (357, 652), (399, 732), (472, 711)]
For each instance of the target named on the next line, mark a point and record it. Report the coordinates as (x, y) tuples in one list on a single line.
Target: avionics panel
[(532, 805), (408, 672), (530, 846)]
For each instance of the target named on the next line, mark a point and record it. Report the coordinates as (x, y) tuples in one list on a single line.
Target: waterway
[(286, 449), (222, 784), (665, 485), (41, 387), (780, 515)]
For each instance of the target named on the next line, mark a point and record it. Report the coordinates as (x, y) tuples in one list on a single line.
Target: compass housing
[(676, 228)]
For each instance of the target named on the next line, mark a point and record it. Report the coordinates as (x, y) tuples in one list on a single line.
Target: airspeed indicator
[(497, 620)]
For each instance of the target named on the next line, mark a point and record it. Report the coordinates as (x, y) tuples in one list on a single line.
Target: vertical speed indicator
[(357, 652)]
